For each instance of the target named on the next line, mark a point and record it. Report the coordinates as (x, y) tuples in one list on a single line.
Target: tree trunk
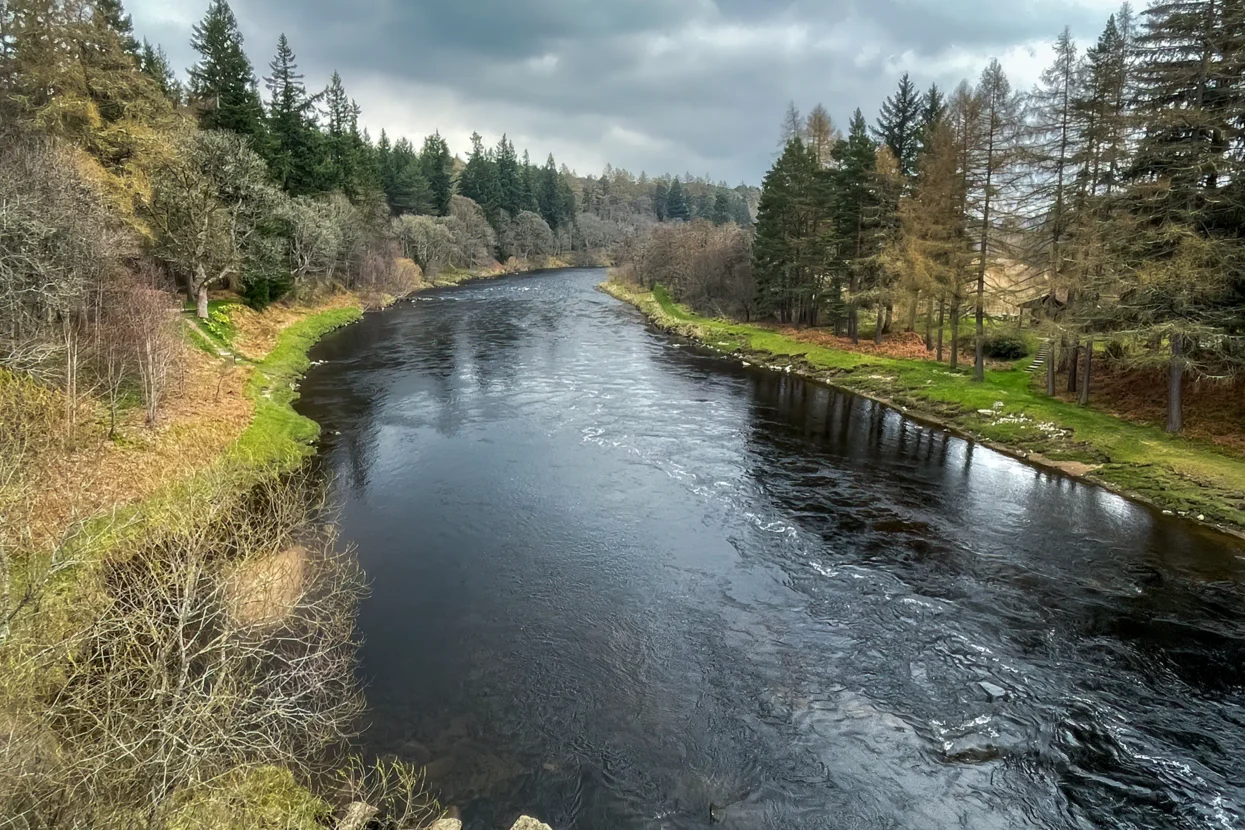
[(929, 322), (955, 333), (1074, 361), (979, 362), (1052, 357), (1175, 386), (202, 309), (912, 309), (890, 312), (942, 322), (881, 326), (1083, 399)]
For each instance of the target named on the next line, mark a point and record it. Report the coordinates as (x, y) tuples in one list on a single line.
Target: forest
[(1103, 209)]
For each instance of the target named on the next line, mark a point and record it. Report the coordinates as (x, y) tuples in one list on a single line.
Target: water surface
[(617, 581)]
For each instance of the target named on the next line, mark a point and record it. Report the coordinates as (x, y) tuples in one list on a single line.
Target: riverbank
[(227, 437), (1177, 475)]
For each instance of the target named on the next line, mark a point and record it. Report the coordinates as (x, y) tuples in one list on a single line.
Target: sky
[(663, 86)]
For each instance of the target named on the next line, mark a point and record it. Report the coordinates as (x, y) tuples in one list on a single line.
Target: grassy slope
[(1173, 473), (277, 440)]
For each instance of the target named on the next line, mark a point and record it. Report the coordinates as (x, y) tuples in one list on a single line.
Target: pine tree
[(508, 184), (295, 151), (789, 252), (113, 15), (721, 209), (527, 185), (677, 208), (661, 196), (933, 111), (933, 246), (1184, 189), (1056, 138), (478, 181), (993, 179), (1105, 102), (899, 125), (222, 83), (406, 189), (857, 161), (155, 64), (436, 166)]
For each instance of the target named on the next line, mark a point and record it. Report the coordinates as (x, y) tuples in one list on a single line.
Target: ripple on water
[(620, 584)]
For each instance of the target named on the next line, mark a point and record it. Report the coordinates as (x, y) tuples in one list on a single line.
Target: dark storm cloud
[(661, 85)]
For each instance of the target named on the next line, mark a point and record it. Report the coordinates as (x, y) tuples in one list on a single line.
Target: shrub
[(1010, 345)]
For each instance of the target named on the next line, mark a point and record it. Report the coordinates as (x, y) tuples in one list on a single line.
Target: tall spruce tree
[(222, 84), (899, 125), (933, 111), (509, 186), (857, 160), (661, 194), (789, 252), (155, 64), (478, 181), (677, 207), (437, 166), (295, 148)]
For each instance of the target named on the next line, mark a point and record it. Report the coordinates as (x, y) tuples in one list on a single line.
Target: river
[(618, 581)]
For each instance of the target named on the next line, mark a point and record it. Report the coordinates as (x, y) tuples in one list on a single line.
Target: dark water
[(617, 581)]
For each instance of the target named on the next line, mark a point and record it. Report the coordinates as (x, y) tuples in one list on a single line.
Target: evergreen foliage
[(223, 88)]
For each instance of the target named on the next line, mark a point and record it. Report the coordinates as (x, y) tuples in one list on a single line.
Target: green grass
[(278, 437), (1174, 473)]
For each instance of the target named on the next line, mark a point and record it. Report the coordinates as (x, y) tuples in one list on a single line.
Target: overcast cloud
[(674, 86)]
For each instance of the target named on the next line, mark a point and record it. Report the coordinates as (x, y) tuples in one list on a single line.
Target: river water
[(619, 583)]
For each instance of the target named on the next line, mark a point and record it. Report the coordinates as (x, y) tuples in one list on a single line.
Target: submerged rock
[(993, 691), (447, 824)]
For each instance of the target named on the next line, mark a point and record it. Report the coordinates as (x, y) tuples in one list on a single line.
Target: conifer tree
[(677, 208), (857, 159), (899, 125), (436, 165), (405, 187), (295, 147), (1056, 140), (789, 251), (509, 186), (478, 181), (661, 195), (792, 126), (155, 64), (721, 209), (1184, 191), (222, 83), (933, 111), (821, 134), (113, 14), (527, 185), (993, 177)]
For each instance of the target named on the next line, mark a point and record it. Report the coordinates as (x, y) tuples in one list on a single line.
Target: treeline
[(1108, 204)]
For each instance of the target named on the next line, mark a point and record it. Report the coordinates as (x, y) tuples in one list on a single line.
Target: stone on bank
[(524, 823)]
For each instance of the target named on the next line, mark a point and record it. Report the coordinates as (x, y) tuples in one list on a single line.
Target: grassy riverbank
[(204, 489), (1006, 412)]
